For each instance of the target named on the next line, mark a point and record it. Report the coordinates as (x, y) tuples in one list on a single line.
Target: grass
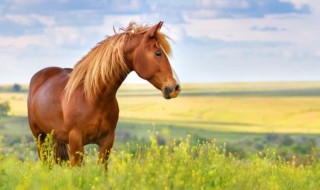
[(175, 166), (251, 117)]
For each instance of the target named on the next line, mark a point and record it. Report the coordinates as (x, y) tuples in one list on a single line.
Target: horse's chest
[(98, 130)]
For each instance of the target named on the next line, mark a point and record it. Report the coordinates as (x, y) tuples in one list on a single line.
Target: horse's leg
[(105, 146), (76, 147)]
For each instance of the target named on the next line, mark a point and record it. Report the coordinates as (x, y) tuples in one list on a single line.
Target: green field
[(174, 166), (255, 122)]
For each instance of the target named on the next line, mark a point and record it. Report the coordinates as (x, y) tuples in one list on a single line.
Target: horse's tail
[(61, 152)]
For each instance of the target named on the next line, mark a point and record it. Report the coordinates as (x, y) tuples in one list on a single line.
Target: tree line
[(14, 88)]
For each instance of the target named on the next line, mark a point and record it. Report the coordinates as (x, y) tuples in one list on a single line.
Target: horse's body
[(80, 104)]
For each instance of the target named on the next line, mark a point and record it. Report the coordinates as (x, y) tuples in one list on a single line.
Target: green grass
[(259, 122), (175, 166)]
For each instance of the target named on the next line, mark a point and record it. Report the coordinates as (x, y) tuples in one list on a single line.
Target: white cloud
[(175, 32), (29, 19), (24, 2), (64, 36), (117, 21), (52, 38), (48, 21), (222, 3), (298, 4), (127, 5), (204, 14), (21, 42), (300, 31), (282, 37), (19, 19)]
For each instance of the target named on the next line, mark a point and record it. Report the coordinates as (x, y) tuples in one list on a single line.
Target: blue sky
[(214, 40)]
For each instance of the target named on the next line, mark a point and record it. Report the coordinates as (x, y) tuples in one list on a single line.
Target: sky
[(213, 40)]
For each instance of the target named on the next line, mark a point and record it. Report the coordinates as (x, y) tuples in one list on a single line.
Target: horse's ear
[(153, 30)]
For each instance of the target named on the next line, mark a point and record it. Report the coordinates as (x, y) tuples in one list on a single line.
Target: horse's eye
[(158, 53)]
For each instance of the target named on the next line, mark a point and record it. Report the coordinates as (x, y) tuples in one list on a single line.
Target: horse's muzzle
[(171, 92)]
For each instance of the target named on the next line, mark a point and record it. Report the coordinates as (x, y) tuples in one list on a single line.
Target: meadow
[(214, 136), (175, 166)]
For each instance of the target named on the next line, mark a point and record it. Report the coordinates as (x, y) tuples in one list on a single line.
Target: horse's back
[(43, 75)]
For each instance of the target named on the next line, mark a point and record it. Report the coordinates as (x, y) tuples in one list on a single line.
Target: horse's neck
[(110, 91)]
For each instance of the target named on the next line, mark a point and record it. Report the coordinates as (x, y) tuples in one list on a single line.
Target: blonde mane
[(105, 63)]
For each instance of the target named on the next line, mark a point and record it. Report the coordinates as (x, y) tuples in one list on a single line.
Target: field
[(221, 136)]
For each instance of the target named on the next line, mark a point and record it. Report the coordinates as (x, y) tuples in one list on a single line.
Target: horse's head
[(149, 59)]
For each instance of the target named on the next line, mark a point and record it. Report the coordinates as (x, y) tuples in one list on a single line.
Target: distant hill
[(213, 89)]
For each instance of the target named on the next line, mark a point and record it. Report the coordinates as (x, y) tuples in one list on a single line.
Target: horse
[(80, 106)]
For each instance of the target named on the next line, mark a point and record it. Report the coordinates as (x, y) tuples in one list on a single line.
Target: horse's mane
[(105, 63)]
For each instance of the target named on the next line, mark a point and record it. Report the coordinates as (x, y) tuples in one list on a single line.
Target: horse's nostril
[(177, 87), (167, 90)]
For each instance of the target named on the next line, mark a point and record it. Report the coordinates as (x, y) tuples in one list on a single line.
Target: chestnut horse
[(79, 105)]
